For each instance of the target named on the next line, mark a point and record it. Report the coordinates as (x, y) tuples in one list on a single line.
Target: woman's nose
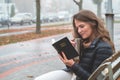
[(79, 30)]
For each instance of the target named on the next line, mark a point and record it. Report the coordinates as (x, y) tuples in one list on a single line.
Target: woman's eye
[(81, 26)]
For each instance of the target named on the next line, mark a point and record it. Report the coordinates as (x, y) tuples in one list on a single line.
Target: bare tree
[(38, 24), (79, 3), (98, 3)]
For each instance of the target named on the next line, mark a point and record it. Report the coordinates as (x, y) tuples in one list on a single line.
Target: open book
[(64, 45)]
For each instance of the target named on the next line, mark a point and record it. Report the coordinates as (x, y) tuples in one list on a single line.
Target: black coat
[(91, 58)]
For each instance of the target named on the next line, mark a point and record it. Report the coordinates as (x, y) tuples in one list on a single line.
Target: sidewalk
[(32, 29), (30, 58)]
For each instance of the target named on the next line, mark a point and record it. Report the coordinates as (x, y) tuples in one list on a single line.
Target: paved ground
[(29, 59)]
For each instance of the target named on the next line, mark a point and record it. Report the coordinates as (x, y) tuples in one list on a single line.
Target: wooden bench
[(108, 70)]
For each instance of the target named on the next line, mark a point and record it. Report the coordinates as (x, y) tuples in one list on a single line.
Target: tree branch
[(76, 2)]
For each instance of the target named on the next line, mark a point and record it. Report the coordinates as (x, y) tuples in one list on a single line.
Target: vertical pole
[(8, 12), (110, 18), (8, 17)]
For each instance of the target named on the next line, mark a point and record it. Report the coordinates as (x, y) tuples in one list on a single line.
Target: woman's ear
[(94, 23)]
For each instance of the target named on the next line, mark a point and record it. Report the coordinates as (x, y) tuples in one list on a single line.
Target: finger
[(60, 57), (73, 43), (64, 57)]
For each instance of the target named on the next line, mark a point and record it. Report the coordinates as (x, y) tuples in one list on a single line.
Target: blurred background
[(51, 10)]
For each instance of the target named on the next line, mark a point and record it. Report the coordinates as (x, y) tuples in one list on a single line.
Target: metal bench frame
[(108, 70)]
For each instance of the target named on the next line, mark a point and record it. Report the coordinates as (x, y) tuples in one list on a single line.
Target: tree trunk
[(38, 24), (79, 4)]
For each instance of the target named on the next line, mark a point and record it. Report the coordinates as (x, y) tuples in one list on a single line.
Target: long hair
[(96, 23)]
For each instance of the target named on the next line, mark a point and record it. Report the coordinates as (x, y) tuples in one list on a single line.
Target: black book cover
[(65, 46)]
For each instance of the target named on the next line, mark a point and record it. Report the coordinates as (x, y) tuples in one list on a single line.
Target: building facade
[(6, 7), (25, 6)]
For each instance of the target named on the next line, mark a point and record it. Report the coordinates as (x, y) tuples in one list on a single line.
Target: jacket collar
[(95, 41)]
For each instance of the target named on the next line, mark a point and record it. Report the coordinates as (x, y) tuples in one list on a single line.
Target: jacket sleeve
[(100, 55), (79, 71)]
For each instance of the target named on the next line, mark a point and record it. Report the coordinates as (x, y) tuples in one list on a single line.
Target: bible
[(64, 45)]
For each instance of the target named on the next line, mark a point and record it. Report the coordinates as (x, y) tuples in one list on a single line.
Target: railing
[(108, 70)]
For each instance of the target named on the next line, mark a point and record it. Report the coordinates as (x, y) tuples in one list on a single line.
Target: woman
[(96, 44)]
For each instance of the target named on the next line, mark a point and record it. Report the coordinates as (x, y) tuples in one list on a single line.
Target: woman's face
[(83, 28)]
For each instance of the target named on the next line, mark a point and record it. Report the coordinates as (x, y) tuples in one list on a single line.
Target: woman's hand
[(66, 61), (73, 43)]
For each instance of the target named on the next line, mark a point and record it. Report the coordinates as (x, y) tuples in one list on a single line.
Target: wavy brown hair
[(96, 23)]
